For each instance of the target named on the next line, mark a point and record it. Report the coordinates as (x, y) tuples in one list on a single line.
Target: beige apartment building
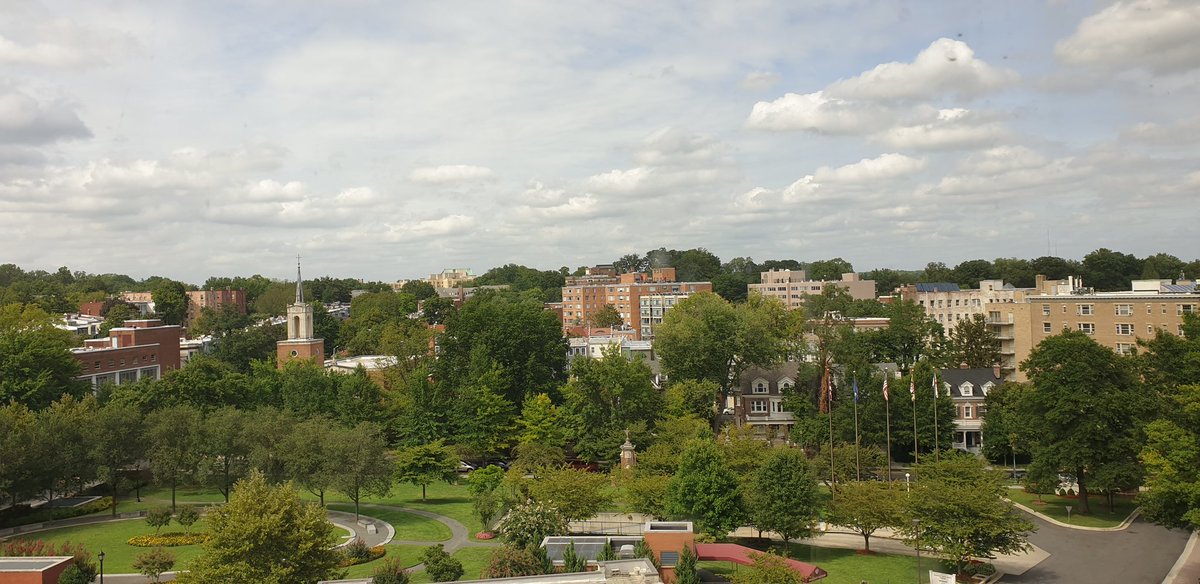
[(451, 278), (791, 286), (948, 304), (1115, 319), (584, 295)]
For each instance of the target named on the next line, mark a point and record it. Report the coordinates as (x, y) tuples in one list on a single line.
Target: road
[(1141, 554)]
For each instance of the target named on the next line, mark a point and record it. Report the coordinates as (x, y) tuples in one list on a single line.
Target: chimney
[(996, 370)]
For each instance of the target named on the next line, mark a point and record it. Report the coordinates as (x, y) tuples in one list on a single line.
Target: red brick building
[(33, 570), (140, 349), (584, 295), (301, 342), (216, 300)]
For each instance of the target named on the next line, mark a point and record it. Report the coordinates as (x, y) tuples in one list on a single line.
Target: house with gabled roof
[(968, 389)]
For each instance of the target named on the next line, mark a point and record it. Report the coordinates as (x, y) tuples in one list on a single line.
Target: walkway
[(1142, 554)]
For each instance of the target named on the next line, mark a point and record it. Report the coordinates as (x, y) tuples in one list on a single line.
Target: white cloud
[(274, 191), (26, 120), (452, 173), (1161, 36), (1173, 135), (946, 67), (885, 167), (949, 129), (816, 112), (760, 80), (673, 147), (1002, 159)]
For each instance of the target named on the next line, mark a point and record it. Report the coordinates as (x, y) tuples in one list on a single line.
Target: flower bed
[(372, 554), (168, 539)]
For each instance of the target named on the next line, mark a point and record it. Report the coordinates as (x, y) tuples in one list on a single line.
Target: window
[(1124, 328), (1088, 328), (668, 559), (1149, 309), (1045, 310), (967, 413), (966, 389), (1064, 309), (785, 385), (1124, 348), (1124, 310), (988, 387), (1185, 309), (777, 407), (760, 386), (1085, 309), (1149, 329), (1047, 327), (758, 406)]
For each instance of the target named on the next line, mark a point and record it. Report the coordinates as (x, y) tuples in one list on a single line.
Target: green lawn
[(409, 554), (453, 501), (844, 566), (111, 537), (1055, 507), (408, 526), (474, 560)]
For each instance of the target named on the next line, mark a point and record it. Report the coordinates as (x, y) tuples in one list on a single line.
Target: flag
[(856, 389), (885, 395), (912, 387), (935, 391)]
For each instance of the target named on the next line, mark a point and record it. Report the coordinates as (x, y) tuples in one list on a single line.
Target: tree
[(117, 314), (705, 338), (685, 569), (1171, 457), (829, 269), (969, 273), (571, 560), (960, 514), (604, 398), (909, 336), (1005, 411), (529, 523), (867, 507), (1085, 407), (606, 317), (767, 569), (18, 457), (223, 449), (363, 467), (36, 365), (440, 566), (116, 443), (576, 494), (265, 534), (437, 310), (419, 289), (692, 397), (158, 518), (511, 561), (187, 517), (310, 455), (541, 422), (173, 439), (706, 491), (153, 563), (267, 430), (170, 301), (785, 498), (1110, 271), (484, 418), (1041, 479), (486, 506), (426, 463), (973, 342)]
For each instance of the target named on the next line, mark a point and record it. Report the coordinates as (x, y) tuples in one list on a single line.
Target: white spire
[(299, 283)]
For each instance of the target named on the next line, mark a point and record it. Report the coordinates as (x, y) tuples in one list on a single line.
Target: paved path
[(1142, 554)]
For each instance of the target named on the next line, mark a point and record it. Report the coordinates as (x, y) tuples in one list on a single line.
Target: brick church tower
[(300, 343)]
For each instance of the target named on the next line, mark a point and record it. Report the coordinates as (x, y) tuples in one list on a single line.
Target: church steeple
[(299, 283)]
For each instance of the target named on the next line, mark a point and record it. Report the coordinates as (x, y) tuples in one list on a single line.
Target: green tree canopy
[(36, 366), (706, 491), (170, 301), (784, 496), (426, 463), (604, 398)]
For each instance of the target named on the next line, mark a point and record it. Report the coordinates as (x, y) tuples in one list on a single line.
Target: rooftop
[(32, 564)]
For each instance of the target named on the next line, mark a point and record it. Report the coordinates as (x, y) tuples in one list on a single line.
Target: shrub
[(530, 523), (391, 572), (977, 569), (158, 518), (74, 575), (511, 561), (172, 539), (606, 553), (153, 563), (486, 506), (186, 517), (357, 552), (440, 566), (571, 560)]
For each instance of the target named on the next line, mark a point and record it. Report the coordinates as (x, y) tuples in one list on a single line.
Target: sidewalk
[(1187, 568)]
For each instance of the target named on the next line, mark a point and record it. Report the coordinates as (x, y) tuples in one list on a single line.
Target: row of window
[(759, 406), (113, 362), (957, 302), (1123, 309), (1122, 328), (761, 385)]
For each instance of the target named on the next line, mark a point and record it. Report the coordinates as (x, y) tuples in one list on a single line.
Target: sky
[(387, 140)]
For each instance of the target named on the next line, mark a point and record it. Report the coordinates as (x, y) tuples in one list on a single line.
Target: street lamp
[(101, 557), (917, 530), (907, 487)]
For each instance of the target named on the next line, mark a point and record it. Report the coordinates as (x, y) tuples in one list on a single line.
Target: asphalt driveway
[(1141, 554)]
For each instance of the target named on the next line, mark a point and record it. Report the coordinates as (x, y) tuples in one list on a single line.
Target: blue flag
[(856, 389)]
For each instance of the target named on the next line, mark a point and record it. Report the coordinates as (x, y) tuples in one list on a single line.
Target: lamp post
[(907, 486), (100, 556), (917, 530)]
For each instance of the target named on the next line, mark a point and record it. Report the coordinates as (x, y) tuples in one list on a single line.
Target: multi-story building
[(583, 298), (759, 400), (83, 325), (451, 278), (1115, 319), (792, 286), (140, 349), (144, 301), (653, 306), (214, 300), (968, 389), (948, 304)]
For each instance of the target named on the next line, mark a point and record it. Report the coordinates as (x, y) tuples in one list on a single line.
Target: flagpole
[(937, 445), (857, 441), (887, 408), (912, 390), (829, 407)]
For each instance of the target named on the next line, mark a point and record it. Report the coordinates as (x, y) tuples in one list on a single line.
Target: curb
[(1122, 527), (1183, 559)]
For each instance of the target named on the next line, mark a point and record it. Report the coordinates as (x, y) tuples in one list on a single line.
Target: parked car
[(464, 466)]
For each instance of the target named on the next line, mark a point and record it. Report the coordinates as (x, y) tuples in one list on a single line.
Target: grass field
[(110, 538), (1055, 507), (844, 566), (408, 526), (408, 554)]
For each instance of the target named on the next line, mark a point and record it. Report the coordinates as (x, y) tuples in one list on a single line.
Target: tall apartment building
[(584, 295), (791, 286), (652, 307), (215, 300), (948, 304), (1115, 319), (140, 349), (451, 278)]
